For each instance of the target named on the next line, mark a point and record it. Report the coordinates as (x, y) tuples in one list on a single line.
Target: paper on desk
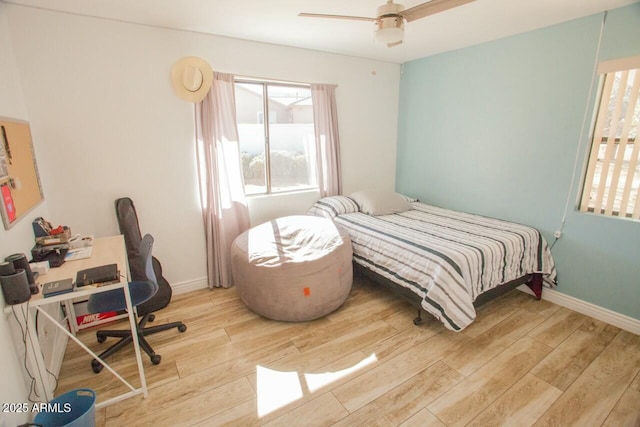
[(78, 253)]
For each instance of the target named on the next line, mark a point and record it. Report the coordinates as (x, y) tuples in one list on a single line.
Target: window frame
[(266, 123), (613, 160)]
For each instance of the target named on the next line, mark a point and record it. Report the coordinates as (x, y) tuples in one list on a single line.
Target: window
[(277, 141), (612, 180)]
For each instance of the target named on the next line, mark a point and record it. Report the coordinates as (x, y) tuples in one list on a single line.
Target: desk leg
[(136, 344), (71, 315)]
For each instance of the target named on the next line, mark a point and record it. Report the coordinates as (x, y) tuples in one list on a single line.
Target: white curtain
[(325, 116), (225, 211)]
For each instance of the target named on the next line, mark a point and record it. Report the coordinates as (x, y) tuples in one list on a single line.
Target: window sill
[(589, 214), (284, 193)]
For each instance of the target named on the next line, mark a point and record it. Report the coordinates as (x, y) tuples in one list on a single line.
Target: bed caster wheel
[(182, 328), (155, 359), (151, 317), (101, 338), (96, 366)]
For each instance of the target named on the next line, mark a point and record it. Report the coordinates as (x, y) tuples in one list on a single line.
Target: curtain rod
[(267, 80)]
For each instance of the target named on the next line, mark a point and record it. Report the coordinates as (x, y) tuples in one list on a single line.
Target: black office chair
[(144, 267)]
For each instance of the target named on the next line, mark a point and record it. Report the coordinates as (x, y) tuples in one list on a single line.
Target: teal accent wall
[(494, 129)]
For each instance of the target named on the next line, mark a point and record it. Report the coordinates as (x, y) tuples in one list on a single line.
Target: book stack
[(58, 287), (98, 275)]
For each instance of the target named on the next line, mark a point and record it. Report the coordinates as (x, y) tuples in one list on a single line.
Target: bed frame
[(533, 281)]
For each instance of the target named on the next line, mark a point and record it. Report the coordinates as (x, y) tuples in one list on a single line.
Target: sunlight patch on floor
[(276, 389), (317, 381)]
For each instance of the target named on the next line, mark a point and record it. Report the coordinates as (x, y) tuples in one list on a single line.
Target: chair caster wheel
[(152, 317), (101, 339), (182, 328), (155, 359), (417, 321), (96, 366)]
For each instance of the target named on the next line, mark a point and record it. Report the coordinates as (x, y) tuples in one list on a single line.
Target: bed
[(443, 260)]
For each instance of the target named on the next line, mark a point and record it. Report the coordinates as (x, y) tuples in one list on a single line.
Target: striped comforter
[(448, 258)]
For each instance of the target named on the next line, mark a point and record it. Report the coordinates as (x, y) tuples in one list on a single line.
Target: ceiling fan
[(390, 17)]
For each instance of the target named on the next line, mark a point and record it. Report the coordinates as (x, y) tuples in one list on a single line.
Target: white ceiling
[(277, 21)]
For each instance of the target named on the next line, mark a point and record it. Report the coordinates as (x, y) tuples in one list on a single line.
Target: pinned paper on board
[(4, 159), (7, 202)]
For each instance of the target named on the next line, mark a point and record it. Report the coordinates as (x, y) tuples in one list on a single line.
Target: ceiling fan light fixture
[(390, 29), (390, 17)]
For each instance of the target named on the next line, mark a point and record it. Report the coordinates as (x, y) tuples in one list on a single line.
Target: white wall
[(18, 239), (101, 103)]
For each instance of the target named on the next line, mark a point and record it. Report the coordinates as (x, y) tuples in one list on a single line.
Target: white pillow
[(380, 202), (330, 207)]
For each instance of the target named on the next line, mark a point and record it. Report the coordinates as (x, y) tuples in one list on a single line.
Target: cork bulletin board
[(20, 188)]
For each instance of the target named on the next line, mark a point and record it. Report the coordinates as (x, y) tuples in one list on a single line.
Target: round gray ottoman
[(294, 268)]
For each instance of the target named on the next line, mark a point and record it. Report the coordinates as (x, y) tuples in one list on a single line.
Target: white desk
[(107, 250)]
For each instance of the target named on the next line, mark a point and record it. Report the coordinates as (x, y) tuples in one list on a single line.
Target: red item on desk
[(58, 230)]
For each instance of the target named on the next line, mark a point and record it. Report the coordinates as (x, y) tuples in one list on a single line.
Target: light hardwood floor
[(523, 362)]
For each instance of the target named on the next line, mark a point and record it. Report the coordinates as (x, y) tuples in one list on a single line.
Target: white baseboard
[(189, 285), (611, 317)]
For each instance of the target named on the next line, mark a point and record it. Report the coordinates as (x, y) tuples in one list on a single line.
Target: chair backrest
[(130, 229), (146, 246)]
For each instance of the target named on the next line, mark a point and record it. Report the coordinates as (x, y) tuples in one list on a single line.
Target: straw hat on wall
[(191, 77)]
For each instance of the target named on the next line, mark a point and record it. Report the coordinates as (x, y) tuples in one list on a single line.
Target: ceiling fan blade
[(322, 15), (430, 8), (394, 43)]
